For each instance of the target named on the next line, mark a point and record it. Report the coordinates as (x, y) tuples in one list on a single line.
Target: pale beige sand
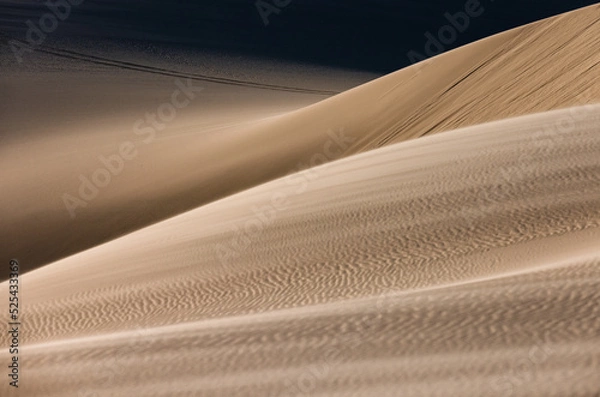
[(218, 146), (464, 263)]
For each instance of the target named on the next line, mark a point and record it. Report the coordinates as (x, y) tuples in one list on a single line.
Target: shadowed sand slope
[(550, 64), (217, 146), (465, 263)]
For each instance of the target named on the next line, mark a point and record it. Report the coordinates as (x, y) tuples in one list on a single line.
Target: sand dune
[(217, 146), (464, 263), (433, 232), (504, 336)]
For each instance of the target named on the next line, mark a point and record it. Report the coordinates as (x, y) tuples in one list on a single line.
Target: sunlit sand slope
[(465, 263), (550, 64), (532, 334)]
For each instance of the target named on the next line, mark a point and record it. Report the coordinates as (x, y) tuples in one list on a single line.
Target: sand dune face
[(59, 156), (452, 341), (546, 65), (204, 153), (283, 244), (465, 263)]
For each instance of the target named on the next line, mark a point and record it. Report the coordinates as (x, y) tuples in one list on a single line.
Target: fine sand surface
[(464, 263), (433, 232), (233, 137)]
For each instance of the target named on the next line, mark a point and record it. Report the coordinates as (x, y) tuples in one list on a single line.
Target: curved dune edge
[(408, 216), (546, 65), (456, 262)]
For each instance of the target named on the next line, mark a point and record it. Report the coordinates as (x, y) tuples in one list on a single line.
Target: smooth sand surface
[(230, 138), (465, 263)]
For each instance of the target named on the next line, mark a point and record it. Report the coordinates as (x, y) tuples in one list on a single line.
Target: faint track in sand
[(78, 56)]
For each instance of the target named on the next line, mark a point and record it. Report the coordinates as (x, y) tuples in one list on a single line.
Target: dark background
[(371, 35)]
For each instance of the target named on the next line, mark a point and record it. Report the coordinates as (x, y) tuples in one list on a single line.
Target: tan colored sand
[(231, 139), (465, 263)]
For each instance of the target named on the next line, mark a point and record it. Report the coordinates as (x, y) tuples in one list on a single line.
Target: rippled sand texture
[(464, 263), (217, 145)]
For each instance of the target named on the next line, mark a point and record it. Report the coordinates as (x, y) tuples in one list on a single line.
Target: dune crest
[(204, 156)]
